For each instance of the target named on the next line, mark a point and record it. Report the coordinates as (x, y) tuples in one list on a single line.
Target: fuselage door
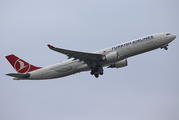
[(159, 39)]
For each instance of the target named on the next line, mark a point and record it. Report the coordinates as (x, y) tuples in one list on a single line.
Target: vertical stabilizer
[(20, 65)]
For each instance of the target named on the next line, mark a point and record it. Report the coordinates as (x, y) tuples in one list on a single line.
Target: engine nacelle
[(121, 63), (111, 57)]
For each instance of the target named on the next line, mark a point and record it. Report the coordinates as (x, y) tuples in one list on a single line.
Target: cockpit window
[(168, 34)]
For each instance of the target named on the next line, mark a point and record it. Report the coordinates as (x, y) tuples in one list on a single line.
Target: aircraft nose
[(174, 36)]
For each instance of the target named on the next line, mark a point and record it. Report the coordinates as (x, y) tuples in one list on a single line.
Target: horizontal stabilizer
[(19, 76)]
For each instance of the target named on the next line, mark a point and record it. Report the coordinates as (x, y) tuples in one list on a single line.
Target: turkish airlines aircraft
[(113, 57)]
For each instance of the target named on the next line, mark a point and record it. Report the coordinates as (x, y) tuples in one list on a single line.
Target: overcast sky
[(147, 89)]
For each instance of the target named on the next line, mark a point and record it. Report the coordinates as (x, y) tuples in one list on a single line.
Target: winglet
[(50, 46)]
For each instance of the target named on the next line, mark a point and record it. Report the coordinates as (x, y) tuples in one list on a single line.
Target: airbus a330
[(112, 57)]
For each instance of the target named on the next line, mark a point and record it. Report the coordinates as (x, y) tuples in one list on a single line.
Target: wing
[(81, 56)]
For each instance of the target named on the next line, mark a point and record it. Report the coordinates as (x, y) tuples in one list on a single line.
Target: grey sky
[(146, 89)]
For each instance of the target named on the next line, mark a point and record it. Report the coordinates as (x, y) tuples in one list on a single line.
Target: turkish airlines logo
[(21, 66)]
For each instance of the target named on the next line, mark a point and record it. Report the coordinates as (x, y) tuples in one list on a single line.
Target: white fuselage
[(124, 50)]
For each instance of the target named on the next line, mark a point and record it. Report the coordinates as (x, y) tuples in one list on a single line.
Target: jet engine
[(121, 63), (111, 57)]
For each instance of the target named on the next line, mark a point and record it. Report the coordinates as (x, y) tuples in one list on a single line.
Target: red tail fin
[(20, 65)]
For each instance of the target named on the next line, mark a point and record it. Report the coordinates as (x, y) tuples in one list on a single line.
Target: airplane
[(113, 57)]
